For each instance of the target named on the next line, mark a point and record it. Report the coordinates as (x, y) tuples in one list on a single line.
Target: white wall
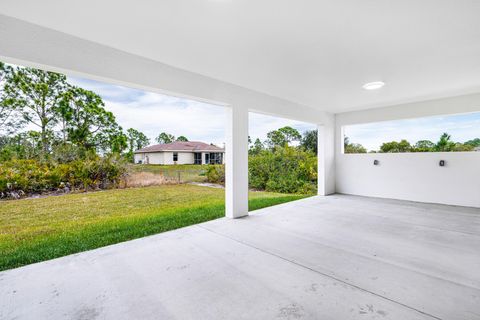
[(138, 157), (154, 158), (183, 158), (410, 176), (165, 158)]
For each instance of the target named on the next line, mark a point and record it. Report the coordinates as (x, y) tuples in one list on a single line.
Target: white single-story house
[(179, 152)]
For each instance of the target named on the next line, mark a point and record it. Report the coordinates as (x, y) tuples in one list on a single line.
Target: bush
[(285, 170), (216, 173), (19, 177), (26, 176)]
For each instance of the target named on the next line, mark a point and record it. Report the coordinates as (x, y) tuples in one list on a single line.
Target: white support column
[(236, 162), (326, 159)]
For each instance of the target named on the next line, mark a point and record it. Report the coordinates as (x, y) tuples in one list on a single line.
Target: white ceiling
[(318, 53)]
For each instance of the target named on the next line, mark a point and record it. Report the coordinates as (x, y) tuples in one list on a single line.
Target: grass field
[(34, 230), (157, 168), (181, 172)]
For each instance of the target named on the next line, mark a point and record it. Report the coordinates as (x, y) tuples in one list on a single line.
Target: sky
[(461, 127), (153, 113)]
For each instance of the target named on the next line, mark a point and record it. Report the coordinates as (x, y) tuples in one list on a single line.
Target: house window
[(197, 158), (215, 158), (175, 156)]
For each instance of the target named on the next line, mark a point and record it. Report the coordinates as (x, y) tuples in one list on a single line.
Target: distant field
[(180, 173), (33, 230), (157, 168)]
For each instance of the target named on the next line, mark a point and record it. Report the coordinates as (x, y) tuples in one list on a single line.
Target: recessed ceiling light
[(373, 85)]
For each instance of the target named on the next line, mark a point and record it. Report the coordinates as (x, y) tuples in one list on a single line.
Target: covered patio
[(389, 236), (339, 257)]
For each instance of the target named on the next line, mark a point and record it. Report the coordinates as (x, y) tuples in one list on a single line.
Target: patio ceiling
[(316, 53)]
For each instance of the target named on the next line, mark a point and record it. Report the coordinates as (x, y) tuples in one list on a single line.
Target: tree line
[(285, 136), (444, 144), (43, 117)]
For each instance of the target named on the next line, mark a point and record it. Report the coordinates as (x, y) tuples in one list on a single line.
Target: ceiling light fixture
[(373, 85)]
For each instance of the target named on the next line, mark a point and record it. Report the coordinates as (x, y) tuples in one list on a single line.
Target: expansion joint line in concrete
[(318, 272)]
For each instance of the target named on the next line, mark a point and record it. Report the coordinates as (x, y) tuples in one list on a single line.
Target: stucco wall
[(410, 176), (153, 158), (165, 158), (137, 157), (183, 158)]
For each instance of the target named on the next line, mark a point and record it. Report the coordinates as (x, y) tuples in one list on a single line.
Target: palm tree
[(444, 144)]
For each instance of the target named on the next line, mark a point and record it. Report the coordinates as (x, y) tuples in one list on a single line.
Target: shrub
[(33, 176), (285, 170), (216, 173)]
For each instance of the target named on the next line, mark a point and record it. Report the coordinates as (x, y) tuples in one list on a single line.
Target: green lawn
[(34, 230)]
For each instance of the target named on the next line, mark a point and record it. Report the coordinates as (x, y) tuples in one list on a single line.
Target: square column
[(236, 162), (326, 159)]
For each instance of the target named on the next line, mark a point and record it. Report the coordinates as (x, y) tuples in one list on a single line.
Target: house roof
[(192, 146)]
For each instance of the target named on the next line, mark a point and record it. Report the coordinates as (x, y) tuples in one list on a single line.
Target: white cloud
[(260, 125), (461, 127), (153, 113)]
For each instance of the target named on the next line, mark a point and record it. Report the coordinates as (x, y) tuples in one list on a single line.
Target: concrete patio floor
[(338, 257)]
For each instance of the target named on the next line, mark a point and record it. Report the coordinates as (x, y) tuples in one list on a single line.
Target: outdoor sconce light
[(442, 163), (376, 162)]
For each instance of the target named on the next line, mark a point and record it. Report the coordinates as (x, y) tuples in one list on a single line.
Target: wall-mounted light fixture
[(442, 163), (376, 162)]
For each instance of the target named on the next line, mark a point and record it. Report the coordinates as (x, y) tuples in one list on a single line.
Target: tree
[(395, 147), (462, 147), (256, 148), (474, 142), (275, 139), (424, 146), (165, 138), (116, 141), (352, 147), (65, 113), (88, 124), (36, 93), (136, 140), (182, 138), (310, 141), (283, 137), (290, 134), (25, 145), (9, 123), (444, 144)]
